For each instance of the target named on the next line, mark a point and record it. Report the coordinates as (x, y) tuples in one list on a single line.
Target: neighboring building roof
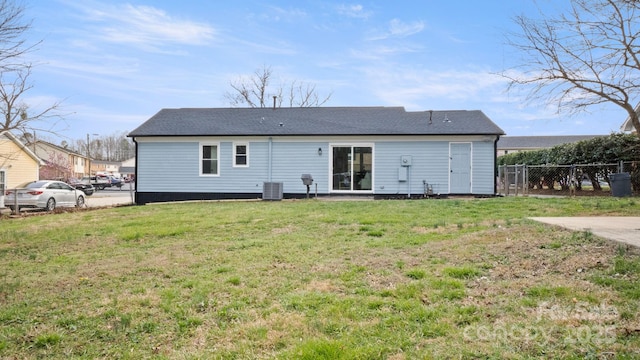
[(129, 162), (22, 146), (59, 148), (314, 121), (539, 142), (105, 162), (627, 126), (127, 169)]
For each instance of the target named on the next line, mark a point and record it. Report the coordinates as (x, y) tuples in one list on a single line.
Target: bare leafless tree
[(16, 114), (587, 56), (251, 92), (114, 147), (305, 95), (258, 91), (12, 29)]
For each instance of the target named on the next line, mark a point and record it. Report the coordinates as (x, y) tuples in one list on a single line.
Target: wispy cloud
[(400, 29), (382, 52), (277, 14), (143, 26), (396, 85), (108, 66), (354, 11)]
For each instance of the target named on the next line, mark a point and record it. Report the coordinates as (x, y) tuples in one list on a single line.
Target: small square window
[(241, 155)]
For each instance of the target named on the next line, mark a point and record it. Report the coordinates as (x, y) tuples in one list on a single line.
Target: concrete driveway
[(624, 229), (100, 199)]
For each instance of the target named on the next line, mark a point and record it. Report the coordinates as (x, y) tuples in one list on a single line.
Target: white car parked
[(44, 194)]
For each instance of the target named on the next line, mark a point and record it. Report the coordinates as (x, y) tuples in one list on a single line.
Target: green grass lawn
[(316, 279)]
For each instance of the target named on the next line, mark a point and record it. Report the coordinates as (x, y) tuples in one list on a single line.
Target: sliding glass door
[(352, 168)]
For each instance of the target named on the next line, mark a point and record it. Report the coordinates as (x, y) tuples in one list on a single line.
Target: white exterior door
[(460, 168)]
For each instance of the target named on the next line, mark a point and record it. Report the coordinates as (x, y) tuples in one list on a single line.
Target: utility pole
[(88, 158), (89, 154)]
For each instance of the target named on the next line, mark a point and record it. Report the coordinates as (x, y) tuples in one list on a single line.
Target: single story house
[(224, 153), (18, 164)]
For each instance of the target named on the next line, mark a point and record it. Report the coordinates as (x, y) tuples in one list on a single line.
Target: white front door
[(460, 168)]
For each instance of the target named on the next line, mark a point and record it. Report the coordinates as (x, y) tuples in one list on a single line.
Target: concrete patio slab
[(624, 229)]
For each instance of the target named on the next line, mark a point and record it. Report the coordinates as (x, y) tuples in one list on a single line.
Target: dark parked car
[(87, 189), (99, 182), (114, 181)]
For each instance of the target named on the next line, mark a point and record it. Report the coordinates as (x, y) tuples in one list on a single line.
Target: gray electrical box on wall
[(405, 160), (402, 173)]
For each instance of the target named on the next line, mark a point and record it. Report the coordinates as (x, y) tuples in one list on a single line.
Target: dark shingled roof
[(314, 121), (127, 169), (539, 142)]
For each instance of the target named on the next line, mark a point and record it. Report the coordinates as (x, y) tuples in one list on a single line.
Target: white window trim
[(235, 145), (202, 144)]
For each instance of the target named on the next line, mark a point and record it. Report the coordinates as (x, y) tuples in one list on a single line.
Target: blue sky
[(113, 64)]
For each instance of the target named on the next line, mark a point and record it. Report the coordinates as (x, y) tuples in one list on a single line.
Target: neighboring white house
[(128, 168), (216, 153), (627, 126), (512, 144)]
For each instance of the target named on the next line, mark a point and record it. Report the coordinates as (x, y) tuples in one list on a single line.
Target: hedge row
[(599, 150)]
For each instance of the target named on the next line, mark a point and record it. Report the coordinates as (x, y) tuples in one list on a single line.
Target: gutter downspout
[(270, 158), (135, 180), (495, 165), (409, 176)]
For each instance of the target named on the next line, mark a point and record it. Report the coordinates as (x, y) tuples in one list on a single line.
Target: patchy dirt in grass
[(430, 230), (323, 286), (407, 291), (515, 262), (284, 230)]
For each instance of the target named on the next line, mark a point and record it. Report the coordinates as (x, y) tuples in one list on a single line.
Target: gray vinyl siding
[(483, 176), (165, 166), (174, 167), (292, 159), (429, 163)]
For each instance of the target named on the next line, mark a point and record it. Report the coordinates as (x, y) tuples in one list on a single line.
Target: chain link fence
[(584, 179)]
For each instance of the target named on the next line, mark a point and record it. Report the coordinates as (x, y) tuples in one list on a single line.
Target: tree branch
[(257, 92), (586, 57)]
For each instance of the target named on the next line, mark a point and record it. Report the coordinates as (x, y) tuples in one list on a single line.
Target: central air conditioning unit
[(272, 191)]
